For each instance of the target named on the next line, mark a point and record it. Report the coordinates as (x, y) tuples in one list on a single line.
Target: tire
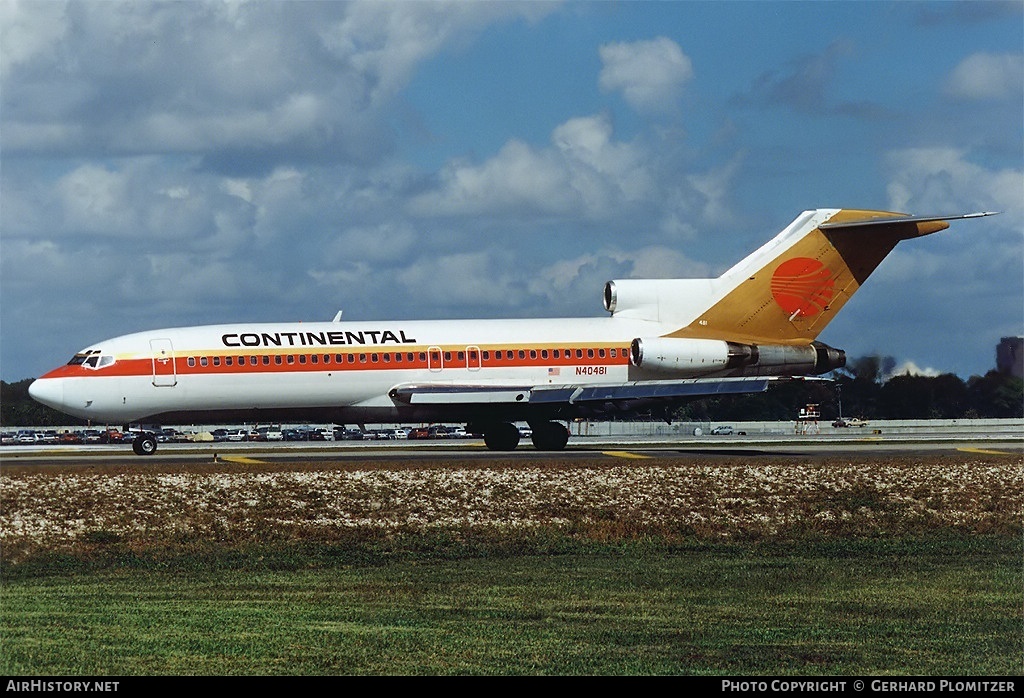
[(144, 445), (550, 436), (503, 436)]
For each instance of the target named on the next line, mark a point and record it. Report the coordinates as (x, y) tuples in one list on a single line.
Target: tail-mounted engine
[(700, 357)]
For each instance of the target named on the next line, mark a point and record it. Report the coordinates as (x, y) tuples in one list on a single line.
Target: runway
[(580, 449)]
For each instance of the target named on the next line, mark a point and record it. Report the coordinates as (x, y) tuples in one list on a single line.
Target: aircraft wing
[(581, 395)]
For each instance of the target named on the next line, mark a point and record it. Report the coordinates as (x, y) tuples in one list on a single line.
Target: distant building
[(1010, 356)]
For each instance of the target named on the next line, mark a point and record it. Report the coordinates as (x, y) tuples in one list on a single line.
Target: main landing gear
[(546, 436)]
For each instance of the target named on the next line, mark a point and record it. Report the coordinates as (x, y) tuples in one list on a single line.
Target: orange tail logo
[(802, 286)]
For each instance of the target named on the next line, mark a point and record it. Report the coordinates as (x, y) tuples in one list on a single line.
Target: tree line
[(862, 390), (866, 390)]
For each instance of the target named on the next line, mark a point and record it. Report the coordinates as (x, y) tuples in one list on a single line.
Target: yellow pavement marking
[(240, 459), (625, 454), (986, 451)]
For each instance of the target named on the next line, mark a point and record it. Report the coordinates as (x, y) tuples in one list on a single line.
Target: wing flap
[(648, 390), (577, 394), (450, 394)]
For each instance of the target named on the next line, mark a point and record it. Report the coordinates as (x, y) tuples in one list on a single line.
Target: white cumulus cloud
[(942, 180), (650, 74), (987, 76)]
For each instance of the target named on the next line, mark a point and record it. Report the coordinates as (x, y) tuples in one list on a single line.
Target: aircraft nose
[(49, 391)]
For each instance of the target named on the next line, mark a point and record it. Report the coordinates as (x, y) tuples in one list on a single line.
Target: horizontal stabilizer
[(899, 220)]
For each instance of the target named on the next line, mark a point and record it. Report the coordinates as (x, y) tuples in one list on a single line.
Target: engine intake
[(699, 357)]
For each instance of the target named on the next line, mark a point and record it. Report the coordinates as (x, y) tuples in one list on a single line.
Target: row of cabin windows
[(404, 357)]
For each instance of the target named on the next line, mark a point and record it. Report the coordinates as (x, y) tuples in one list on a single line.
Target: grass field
[(787, 567)]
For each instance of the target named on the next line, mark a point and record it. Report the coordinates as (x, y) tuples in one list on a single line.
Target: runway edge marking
[(987, 451), (625, 454)]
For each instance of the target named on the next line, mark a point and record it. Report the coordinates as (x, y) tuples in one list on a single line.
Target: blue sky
[(174, 163)]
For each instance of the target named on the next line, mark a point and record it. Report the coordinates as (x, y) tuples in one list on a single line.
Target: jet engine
[(698, 357)]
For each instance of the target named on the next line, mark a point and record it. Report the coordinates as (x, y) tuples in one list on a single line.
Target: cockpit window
[(82, 357), (91, 359)]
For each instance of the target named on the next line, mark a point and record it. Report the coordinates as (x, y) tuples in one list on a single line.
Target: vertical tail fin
[(790, 289)]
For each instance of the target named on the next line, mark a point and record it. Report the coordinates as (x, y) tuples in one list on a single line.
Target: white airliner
[(665, 341)]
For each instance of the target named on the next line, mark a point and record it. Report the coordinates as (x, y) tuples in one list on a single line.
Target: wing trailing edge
[(575, 395)]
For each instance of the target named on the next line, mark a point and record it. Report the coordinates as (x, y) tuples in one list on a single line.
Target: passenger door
[(165, 374)]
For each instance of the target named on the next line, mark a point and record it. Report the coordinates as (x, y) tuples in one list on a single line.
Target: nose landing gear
[(144, 444)]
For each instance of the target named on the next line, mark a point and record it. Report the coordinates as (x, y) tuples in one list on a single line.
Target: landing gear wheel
[(503, 436), (550, 436), (144, 445)]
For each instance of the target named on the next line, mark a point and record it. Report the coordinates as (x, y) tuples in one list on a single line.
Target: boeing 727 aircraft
[(664, 341)]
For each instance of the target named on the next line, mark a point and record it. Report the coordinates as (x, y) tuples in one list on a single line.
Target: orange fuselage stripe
[(278, 361)]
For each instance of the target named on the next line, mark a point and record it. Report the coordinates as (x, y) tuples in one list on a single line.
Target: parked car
[(238, 435), (268, 433), (853, 422), (438, 431), (722, 431), (167, 435), (295, 435)]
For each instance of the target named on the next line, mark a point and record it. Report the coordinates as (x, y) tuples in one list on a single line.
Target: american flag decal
[(554, 371)]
